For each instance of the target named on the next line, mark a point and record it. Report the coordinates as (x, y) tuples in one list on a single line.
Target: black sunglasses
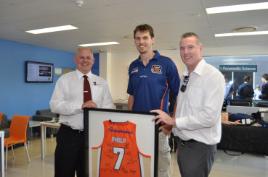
[(184, 84)]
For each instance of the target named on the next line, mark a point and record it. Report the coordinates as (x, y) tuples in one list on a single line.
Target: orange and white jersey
[(119, 154)]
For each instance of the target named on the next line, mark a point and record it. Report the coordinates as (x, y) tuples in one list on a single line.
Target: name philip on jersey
[(119, 140), (157, 69)]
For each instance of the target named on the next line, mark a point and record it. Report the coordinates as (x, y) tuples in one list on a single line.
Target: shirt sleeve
[(264, 89), (58, 103), (107, 101), (240, 90), (208, 113), (130, 87), (173, 79)]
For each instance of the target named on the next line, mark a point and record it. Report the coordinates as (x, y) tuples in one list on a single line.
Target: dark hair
[(144, 28), (246, 78), (265, 76)]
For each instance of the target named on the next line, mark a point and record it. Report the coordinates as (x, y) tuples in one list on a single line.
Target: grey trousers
[(195, 159)]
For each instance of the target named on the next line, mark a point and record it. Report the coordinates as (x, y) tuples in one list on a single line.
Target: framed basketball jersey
[(120, 143)]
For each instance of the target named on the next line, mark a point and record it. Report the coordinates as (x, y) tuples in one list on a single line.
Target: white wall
[(119, 73), (117, 70)]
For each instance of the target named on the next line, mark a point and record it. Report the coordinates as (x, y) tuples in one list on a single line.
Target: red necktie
[(87, 90)]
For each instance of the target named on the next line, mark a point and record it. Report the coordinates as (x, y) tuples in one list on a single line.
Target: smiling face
[(84, 60), (144, 42), (190, 51)]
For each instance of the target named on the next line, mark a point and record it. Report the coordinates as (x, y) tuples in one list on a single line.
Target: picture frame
[(120, 143)]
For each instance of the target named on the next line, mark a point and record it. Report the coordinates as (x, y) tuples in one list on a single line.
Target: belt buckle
[(182, 142)]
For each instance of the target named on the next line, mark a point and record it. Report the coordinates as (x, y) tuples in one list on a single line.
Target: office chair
[(17, 134), (1, 117)]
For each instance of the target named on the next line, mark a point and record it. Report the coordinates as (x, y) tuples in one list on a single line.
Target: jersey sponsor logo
[(143, 76), (134, 70), (157, 69), (119, 131)]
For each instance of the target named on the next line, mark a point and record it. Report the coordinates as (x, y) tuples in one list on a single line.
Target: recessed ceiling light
[(127, 36), (241, 34), (237, 8), (245, 29), (98, 44), (52, 29)]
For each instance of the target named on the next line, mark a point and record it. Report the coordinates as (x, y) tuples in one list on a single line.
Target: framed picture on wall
[(120, 143), (38, 72)]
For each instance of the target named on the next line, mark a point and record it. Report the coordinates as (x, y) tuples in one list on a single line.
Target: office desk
[(248, 110), (244, 139), (32, 124), (44, 125)]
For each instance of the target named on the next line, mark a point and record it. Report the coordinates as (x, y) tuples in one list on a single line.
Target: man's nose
[(185, 50)]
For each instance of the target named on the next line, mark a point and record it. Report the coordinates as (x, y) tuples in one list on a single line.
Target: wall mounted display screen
[(120, 143), (38, 71)]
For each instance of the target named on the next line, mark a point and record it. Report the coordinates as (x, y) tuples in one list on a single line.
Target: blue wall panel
[(18, 97)]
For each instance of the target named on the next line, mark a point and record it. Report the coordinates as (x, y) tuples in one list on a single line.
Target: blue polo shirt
[(152, 84)]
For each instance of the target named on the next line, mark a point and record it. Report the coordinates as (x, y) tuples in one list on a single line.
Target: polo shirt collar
[(155, 57)]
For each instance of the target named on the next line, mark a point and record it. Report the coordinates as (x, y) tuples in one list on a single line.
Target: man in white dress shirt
[(68, 101), (197, 123)]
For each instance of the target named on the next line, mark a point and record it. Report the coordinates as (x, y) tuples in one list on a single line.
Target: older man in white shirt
[(198, 117), (74, 91)]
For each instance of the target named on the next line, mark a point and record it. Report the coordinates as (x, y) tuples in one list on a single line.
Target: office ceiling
[(114, 20)]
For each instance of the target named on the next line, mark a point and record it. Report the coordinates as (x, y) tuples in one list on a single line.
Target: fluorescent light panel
[(237, 8), (241, 34), (52, 29), (98, 44)]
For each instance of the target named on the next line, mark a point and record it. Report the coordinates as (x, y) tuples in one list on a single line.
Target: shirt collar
[(155, 57), (198, 69), (80, 75)]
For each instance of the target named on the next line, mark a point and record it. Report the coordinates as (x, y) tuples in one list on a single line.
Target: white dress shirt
[(198, 114), (67, 98)]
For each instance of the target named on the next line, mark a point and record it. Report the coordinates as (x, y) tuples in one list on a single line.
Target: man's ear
[(75, 59), (201, 49)]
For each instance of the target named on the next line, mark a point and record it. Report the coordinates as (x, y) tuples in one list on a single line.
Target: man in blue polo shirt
[(153, 78)]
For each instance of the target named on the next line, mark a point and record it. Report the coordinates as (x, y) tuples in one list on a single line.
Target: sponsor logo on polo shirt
[(157, 69), (134, 70), (143, 76)]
